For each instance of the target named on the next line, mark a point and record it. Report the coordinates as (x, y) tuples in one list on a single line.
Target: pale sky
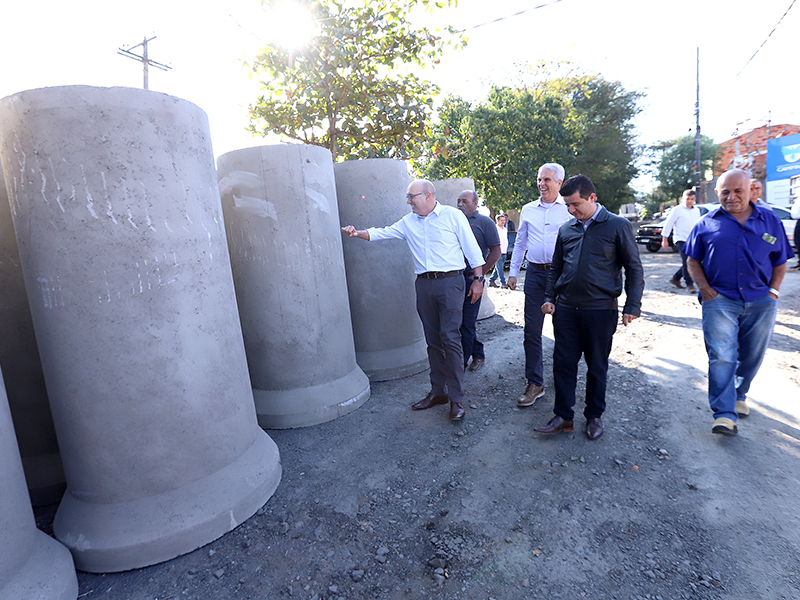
[(647, 45)]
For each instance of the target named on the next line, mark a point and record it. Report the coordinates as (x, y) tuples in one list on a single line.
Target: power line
[(144, 59), (516, 14), (765, 41)]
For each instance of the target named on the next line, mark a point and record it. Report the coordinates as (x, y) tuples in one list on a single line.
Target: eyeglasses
[(412, 196)]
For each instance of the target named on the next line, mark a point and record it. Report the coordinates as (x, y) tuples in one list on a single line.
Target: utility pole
[(697, 163), (143, 59)]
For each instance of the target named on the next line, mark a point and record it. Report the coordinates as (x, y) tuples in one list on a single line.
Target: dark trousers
[(684, 270), (439, 304), (588, 333), (470, 344), (535, 283)]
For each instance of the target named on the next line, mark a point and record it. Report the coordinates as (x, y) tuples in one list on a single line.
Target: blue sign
[(783, 157)]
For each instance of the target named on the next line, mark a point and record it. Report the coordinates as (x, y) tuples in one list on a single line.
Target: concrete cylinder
[(448, 190), (32, 564), (285, 243), (119, 226), (380, 275), (487, 308), (19, 358)]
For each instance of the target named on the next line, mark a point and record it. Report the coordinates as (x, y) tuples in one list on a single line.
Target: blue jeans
[(736, 334), (499, 270)]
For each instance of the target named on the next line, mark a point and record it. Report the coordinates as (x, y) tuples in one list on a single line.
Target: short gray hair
[(555, 168)]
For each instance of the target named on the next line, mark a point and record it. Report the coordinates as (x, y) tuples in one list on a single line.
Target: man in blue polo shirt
[(737, 257)]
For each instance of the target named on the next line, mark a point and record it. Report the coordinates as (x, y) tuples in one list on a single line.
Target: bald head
[(468, 202), (733, 189)]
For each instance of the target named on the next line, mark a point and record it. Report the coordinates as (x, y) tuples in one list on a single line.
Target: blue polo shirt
[(738, 259)]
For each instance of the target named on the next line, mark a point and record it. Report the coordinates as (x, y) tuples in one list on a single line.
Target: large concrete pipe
[(380, 277), (19, 358), (448, 190), (32, 564), (285, 243), (119, 226)]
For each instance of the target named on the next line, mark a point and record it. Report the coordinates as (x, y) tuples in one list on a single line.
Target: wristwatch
[(480, 278), (776, 292)]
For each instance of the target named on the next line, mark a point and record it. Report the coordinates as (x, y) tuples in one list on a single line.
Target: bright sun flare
[(291, 26)]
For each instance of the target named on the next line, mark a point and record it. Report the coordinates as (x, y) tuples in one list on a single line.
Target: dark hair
[(578, 183)]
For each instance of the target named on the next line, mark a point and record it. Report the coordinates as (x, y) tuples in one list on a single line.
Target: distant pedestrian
[(439, 238), (500, 265), (737, 255), (584, 283), (755, 194), (485, 234), (679, 223)]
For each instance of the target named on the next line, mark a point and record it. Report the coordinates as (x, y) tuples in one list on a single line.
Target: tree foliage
[(582, 122), (347, 91), (676, 168)]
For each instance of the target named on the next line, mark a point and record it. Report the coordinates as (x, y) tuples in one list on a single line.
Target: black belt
[(440, 274), (541, 267)]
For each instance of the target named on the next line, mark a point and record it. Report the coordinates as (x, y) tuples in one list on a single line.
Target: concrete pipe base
[(113, 537), (393, 363), (488, 308), (301, 407), (48, 574)]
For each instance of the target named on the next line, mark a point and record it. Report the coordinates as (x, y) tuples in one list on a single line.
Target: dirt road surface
[(390, 503)]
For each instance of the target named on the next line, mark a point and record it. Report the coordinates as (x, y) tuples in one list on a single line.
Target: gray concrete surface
[(19, 358), (116, 204), (32, 564), (448, 190), (284, 238), (380, 276)]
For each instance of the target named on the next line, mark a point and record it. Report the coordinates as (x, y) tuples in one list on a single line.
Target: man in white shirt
[(500, 265), (439, 238), (679, 223), (539, 222)]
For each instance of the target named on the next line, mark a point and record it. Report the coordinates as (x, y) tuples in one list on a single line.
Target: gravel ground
[(390, 503)]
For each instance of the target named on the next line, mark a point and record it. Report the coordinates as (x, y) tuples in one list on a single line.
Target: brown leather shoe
[(594, 428), (532, 394), (456, 411), (430, 400), (477, 363), (556, 425)]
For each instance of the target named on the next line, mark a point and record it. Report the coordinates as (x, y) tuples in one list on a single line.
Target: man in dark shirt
[(584, 283), (737, 256), (485, 232)]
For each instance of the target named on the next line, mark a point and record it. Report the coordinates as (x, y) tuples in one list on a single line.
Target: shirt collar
[(558, 200)]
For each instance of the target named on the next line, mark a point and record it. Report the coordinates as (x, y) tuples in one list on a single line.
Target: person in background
[(500, 266), (679, 223), (485, 234)]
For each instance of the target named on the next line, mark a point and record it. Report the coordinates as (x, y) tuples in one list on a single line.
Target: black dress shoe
[(556, 425), (594, 428), (430, 400), (456, 411), (477, 363)]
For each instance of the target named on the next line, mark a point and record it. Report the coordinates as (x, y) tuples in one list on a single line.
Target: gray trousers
[(439, 305)]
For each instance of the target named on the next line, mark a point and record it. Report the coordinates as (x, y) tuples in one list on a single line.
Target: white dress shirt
[(438, 241), (680, 221), (538, 229), (503, 233)]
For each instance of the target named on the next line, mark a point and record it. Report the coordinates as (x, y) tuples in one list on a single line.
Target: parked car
[(650, 234), (512, 237)]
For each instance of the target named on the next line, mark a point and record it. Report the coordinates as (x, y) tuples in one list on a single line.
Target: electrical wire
[(765, 41), (516, 14)]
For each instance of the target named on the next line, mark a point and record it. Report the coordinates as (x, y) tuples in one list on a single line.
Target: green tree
[(581, 122), (676, 168), (500, 143), (347, 91)]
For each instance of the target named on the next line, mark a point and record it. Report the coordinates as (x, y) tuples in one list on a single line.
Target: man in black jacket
[(584, 283)]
